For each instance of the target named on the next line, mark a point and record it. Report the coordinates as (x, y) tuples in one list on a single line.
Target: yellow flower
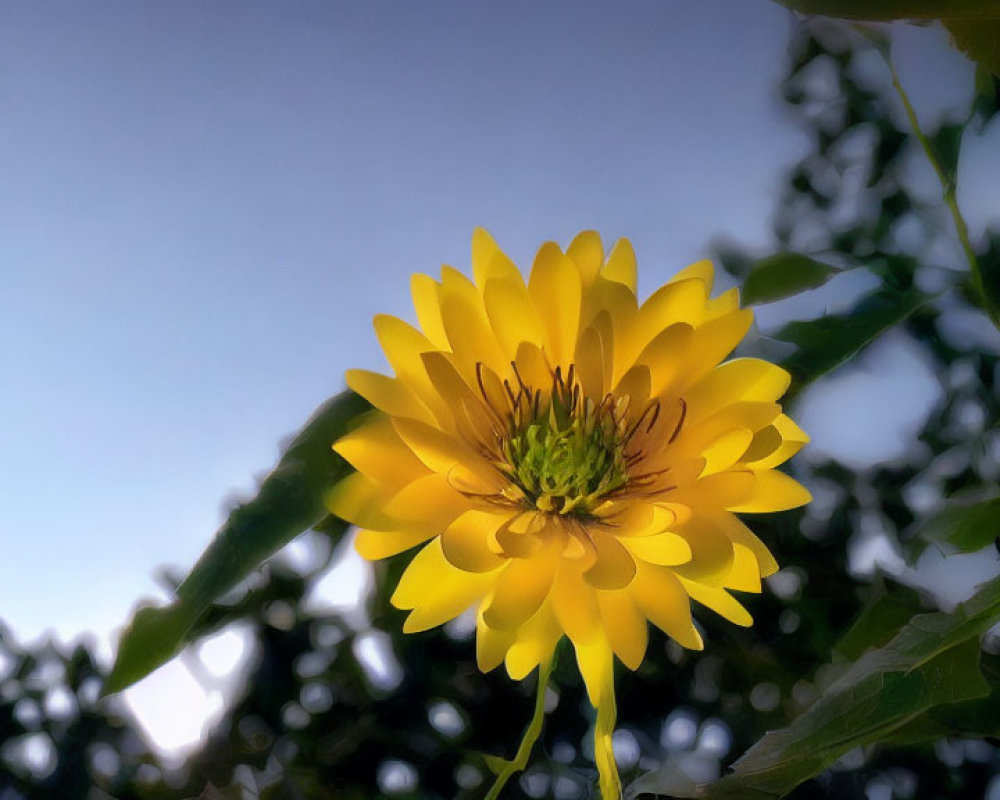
[(569, 461)]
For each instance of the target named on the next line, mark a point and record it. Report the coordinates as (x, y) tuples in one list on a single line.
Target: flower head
[(569, 460)]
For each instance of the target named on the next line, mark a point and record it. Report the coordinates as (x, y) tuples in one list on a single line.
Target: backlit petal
[(556, 289)]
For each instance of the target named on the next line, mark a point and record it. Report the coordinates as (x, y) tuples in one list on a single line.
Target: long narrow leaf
[(289, 501)]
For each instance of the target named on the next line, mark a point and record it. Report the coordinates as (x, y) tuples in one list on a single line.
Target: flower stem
[(948, 189), (531, 734)]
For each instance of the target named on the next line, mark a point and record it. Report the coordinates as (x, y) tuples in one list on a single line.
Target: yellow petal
[(703, 271), (720, 601), (634, 385), (512, 315), (677, 301), (614, 567), (657, 593), (667, 549), (359, 501), (745, 573), (489, 262), (589, 362), (403, 345), (740, 379), (712, 342), (429, 503), (491, 645), (575, 604), (721, 490), (739, 533), (375, 449), (466, 542), (556, 291), (726, 450), (666, 355), (534, 643), (792, 439), (712, 551), (624, 626), (387, 394), (435, 590), (772, 491), (468, 327), (435, 448), (588, 253), (520, 589), (375, 545), (621, 267), (424, 290)]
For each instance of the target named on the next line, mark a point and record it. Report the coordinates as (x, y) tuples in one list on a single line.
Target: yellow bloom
[(569, 460)]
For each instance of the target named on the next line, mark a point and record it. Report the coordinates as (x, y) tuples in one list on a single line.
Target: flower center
[(562, 452), (565, 463)]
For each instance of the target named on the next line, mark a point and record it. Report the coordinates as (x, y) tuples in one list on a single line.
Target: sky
[(202, 205)]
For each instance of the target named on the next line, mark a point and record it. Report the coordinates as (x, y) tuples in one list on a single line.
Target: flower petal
[(657, 592), (374, 545), (745, 573), (424, 290), (491, 645), (624, 626), (703, 271), (666, 549), (429, 503), (468, 327), (772, 491), (675, 302), (435, 448), (387, 394), (739, 533), (534, 643), (359, 501), (588, 253), (791, 439), (556, 290), (720, 601), (520, 589), (621, 267), (489, 262), (575, 604), (736, 380), (435, 590), (375, 450), (512, 315), (614, 566), (466, 542)]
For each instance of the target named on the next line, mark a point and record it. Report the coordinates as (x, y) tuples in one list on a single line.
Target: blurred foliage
[(861, 694)]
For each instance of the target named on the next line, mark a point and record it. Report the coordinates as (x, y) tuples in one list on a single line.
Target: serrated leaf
[(881, 618), (783, 275), (932, 663), (826, 343), (885, 10), (289, 502), (967, 524)]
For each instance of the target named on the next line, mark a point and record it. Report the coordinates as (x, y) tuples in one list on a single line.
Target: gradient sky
[(203, 204)]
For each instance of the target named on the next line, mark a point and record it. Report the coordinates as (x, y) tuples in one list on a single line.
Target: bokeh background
[(202, 207)]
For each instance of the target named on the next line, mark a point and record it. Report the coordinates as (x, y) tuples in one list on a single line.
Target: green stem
[(948, 189), (531, 734)]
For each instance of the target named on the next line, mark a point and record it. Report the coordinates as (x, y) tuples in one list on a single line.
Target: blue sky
[(203, 204)]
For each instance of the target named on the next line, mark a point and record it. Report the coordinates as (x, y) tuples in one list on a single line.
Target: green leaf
[(879, 620), (782, 275), (967, 524), (885, 10), (978, 39), (289, 501), (827, 342), (931, 664)]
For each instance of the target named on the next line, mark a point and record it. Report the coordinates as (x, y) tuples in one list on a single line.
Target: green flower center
[(563, 452)]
